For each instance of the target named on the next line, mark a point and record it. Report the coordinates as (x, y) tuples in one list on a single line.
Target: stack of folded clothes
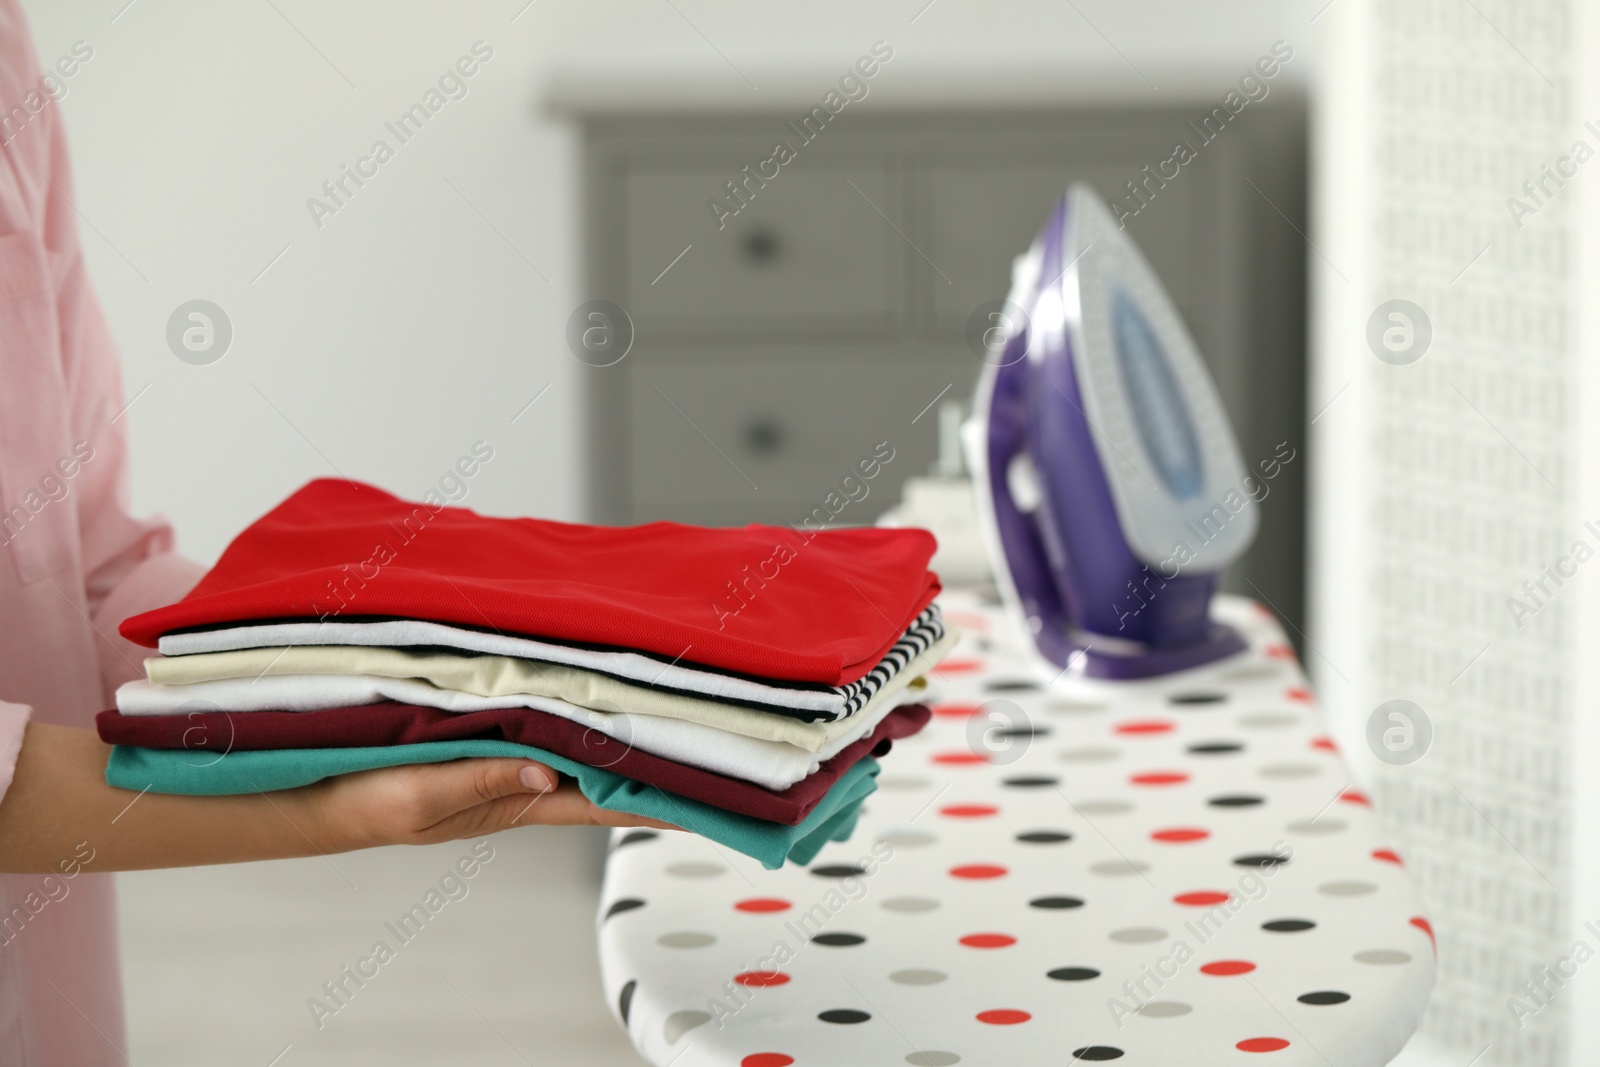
[(735, 682)]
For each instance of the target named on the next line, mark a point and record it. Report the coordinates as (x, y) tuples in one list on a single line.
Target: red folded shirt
[(404, 724), (767, 601)]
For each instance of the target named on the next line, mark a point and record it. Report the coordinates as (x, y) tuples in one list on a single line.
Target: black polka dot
[(1044, 837), (1055, 903), (1020, 731), (838, 940), (634, 837), (1236, 800), (1073, 974), (843, 1015), (1011, 685), (1032, 781), (625, 904), (1215, 748), (1097, 1052), (1324, 996), (1288, 926), (1193, 698), (838, 870), (1260, 860), (625, 1000)]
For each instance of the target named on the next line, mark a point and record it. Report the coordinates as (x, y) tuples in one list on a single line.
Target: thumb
[(461, 784)]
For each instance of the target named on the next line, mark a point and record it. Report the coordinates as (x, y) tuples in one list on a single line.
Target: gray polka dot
[(1290, 770), (931, 1058), (1165, 1009), (918, 976), (1119, 868), (904, 783), (911, 905), (1138, 935), (1347, 889), (1317, 826), (680, 1023), (907, 838), (1088, 755), (1103, 807), (696, 870), (1383, 956), (1268, 720), (686, 939), (1076, 707), (1252, 672)]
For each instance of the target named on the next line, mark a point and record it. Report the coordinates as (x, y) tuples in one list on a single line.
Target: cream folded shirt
[(505, 676), (817, 702)]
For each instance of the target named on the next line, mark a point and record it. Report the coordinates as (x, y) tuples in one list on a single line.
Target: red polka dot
[(1279, 652), (761, 979), (988, 941), (978, 870), (1388, 855), (1179, 835), (1351, 796), (1145, 726), (1298, 693), (1159, 778), (969, 811), (1426, 927), (1227, 968), (766, 1059), (1325, 744), (1003, 1017), (959, 666), (956, 711), (1262, 1044), (1201, 898), (762, 904), (960, 758)]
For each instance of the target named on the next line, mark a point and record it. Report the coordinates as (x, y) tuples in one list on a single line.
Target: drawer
[(808, 252), (727, 441), (978, 219)]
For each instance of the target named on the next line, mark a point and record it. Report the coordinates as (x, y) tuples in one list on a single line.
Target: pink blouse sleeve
[(13, 721), (128, 564)]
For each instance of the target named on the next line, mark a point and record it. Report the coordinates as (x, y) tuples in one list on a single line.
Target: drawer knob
[(760, 246), (762, 437)]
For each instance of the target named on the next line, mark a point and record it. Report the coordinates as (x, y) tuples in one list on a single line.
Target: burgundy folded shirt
[(767, 601), (405, 724)]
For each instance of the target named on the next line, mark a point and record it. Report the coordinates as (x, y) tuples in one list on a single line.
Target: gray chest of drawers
[(790, 317)]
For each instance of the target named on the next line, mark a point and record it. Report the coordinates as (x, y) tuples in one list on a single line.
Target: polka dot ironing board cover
[(1157, 873)]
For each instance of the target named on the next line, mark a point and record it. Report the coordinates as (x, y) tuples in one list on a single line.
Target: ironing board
[(1162, 872)]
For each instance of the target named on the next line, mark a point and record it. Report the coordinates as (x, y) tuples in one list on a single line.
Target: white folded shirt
[(821, 703)]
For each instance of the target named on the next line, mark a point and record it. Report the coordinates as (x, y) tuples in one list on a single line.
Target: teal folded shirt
[(190, 773)]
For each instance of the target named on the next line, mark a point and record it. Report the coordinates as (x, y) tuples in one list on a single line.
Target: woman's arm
[(58, 801)]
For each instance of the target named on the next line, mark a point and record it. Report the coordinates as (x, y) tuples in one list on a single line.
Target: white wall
[(383, 344)]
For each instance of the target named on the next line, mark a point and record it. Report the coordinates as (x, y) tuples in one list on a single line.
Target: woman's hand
[(428, 803), (59, 809)]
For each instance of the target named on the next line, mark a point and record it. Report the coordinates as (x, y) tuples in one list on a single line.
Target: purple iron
[(1103, 462)]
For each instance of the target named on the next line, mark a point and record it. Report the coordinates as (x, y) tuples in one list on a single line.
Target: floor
[(220, 963)]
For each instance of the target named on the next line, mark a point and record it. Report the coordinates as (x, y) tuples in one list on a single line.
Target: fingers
[(564, 806), (427, 803), (606, 817), (443, 790), (567, 806)]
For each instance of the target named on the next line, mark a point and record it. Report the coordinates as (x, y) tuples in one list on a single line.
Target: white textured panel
[(1465, 484)]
